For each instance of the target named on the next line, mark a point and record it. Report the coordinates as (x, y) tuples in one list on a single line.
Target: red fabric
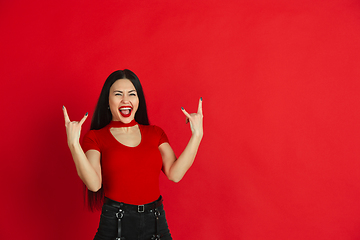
[(129, 174)]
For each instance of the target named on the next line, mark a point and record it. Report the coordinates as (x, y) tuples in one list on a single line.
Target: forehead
[(122, 84)]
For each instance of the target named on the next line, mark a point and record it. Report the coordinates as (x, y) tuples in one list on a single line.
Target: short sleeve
[(162, 136), (90, 142)]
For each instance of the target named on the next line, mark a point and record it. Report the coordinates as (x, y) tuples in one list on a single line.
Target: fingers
[(66, 116), (67, 119), (188, 116), (200, 106), (196, 120), (186, 113), (83, 119)]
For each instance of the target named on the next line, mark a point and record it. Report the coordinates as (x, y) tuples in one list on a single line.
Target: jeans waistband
[(134, 208)]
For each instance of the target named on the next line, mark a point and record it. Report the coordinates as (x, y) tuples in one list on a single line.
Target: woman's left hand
[(196, 120)]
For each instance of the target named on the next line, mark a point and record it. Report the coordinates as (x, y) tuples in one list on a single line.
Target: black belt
[(135, 208)]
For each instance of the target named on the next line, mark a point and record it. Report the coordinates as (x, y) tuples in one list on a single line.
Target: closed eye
[(120, 93), (132, 93)]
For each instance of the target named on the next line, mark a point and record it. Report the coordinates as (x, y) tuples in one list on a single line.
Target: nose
[(125, 99)]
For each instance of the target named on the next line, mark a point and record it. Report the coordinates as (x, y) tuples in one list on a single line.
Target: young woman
[(121, 158)]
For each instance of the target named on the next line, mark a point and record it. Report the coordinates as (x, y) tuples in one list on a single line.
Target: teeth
[(125, 108)]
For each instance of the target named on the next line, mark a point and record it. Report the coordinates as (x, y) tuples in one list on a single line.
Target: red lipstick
[(125, 111)]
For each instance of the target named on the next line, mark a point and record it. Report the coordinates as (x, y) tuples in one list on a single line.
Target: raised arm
[(87, 165), (173, 168)]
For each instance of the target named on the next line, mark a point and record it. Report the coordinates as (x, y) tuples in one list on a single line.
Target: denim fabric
[(134, 225)]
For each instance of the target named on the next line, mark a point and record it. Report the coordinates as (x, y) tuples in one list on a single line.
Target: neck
[(120, 124)]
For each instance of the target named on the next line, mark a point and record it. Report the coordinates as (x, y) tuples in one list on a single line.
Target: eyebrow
[(122, 91)]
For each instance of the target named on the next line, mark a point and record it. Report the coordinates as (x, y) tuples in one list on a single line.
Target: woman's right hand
[(73, 128)]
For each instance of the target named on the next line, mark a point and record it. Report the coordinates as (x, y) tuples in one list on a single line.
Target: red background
[(280, 156)]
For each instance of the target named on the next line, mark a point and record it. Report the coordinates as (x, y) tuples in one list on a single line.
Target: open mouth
[(125, 111)]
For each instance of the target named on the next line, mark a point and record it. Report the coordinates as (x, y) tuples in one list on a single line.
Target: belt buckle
[(141, 208)]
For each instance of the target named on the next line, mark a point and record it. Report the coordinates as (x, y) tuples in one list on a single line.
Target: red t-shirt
[(129, 174)]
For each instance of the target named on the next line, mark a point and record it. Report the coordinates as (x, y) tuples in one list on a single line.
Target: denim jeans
[(134, 225)]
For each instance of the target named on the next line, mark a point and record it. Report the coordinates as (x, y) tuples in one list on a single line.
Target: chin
[(126, 119)]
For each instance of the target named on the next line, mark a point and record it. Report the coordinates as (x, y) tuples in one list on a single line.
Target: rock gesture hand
[(73, 128), (196, 120)]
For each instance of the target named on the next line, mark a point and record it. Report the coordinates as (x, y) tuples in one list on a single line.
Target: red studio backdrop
[(280, 81)]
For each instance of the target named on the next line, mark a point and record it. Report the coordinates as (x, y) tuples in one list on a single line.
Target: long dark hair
[(102, 117)]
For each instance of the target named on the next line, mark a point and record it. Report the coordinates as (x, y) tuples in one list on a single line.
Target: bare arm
[(87, 165), (173, 168)]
